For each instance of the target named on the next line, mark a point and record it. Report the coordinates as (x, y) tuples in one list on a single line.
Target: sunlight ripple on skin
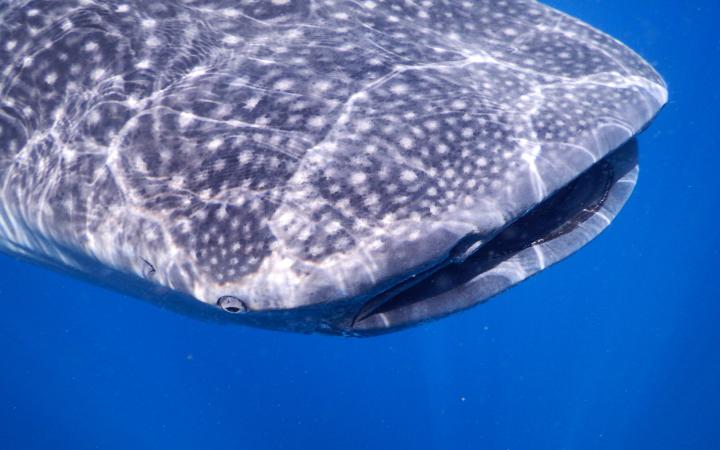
[(299, 164)]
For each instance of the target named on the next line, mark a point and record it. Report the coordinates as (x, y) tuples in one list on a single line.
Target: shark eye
[(232, 304)]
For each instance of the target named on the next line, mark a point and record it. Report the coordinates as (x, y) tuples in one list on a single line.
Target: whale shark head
[(339, 168)]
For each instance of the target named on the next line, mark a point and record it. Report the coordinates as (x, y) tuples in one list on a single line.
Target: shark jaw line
[(561, 213)]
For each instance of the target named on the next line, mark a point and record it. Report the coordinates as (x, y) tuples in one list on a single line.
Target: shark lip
[(421, 296), (460, 252)]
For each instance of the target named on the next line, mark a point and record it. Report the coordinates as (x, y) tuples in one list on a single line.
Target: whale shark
[(320, 166)]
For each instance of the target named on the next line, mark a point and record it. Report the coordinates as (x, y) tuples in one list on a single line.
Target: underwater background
[(616, 347)]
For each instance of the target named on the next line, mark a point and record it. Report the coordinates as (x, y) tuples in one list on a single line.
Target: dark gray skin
[(339, 167)]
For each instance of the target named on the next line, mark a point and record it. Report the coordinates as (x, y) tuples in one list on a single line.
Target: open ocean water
[(616, 347)]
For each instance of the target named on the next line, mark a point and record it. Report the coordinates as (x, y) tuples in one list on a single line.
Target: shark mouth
[(475, 271)]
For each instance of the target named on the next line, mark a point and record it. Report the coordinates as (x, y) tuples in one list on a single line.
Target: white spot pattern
[(291, 152)]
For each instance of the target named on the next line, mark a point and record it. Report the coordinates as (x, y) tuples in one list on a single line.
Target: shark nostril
[(232, 304)]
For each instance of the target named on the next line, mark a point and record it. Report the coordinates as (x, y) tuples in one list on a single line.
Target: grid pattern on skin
[(240, 146)]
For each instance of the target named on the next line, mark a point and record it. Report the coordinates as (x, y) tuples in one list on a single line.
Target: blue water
[(614, 348)]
